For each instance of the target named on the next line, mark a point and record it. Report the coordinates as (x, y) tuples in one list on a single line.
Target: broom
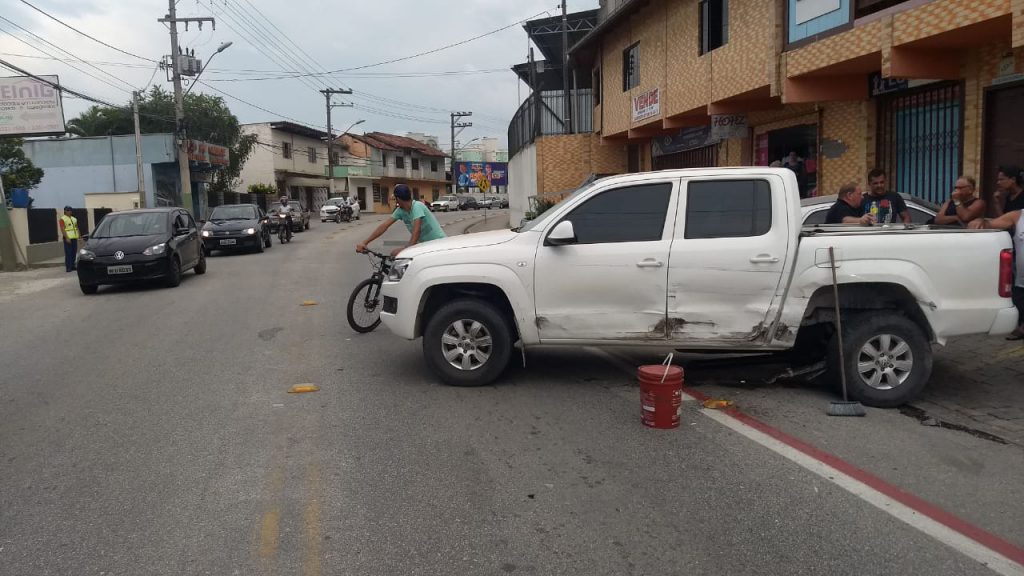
[(844, 408)]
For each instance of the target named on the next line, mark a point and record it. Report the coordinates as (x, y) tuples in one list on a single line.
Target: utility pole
[(185, 174), (7, 242), (566, 110), (138, 151), (535, 93), (330, 134), (456, 124)]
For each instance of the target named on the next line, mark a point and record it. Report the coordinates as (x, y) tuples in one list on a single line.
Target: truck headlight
[(155, 250), (398, 269)]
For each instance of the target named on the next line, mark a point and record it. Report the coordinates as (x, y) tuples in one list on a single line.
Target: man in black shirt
[(1009, 194), (887, 206), (847, 208)]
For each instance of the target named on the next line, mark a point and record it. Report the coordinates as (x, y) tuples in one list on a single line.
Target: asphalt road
[(149, 431)]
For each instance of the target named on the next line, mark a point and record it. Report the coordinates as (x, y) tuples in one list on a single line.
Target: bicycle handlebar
[(377, 254)]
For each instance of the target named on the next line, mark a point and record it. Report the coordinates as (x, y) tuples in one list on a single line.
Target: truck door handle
[(764, 258), (649, 263)]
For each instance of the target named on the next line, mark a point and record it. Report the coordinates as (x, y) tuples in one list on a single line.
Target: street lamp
[(220, 49)]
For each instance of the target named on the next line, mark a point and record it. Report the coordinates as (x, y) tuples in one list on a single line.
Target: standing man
[(422, 225), (847, 210), (884, 204), (69, 230)]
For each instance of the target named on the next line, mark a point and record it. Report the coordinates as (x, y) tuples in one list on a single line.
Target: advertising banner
[(481, 175), (29, 107)]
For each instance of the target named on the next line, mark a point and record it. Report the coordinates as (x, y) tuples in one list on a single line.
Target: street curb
[(469, 229)]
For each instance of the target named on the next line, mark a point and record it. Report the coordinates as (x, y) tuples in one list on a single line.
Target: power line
[(47, 42), (258, 107), (59, 21)]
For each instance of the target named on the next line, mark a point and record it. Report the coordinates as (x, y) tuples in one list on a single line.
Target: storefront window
[(795, 148)]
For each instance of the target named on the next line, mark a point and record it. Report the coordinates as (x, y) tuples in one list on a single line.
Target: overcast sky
[(317, 35)]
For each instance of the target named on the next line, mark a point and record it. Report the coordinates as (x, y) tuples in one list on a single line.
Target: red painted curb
[(955, 523)]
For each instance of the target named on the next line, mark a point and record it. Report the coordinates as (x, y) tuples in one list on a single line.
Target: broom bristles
[(846, 409)]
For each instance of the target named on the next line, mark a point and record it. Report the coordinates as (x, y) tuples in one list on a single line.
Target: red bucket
[(661, 395)]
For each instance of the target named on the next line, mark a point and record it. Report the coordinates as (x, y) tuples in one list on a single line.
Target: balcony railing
[(544, 117)]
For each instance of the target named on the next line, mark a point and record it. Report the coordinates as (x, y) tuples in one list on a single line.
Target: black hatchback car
[(236, 226), (136, 245)]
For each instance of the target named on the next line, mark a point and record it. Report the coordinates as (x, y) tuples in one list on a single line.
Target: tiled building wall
[(844, 136), (565, 161), (744, 62)]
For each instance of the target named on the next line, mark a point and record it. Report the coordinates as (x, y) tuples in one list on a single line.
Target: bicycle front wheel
[(364, 306)]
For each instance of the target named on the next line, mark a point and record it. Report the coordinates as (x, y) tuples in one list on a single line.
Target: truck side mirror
[(562, 235)]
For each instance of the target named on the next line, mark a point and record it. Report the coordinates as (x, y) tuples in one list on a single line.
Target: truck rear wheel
[(888, 359), (468, 342)]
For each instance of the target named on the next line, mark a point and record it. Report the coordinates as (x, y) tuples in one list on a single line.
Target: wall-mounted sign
[(29, 107), (807, 10), (206, 153), (646, 105), (685, 139), (726, 126)]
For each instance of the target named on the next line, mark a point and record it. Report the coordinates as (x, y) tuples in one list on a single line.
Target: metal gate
[(703, 157), (920, 141)]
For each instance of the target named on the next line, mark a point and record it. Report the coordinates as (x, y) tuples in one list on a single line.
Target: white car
[(712, 259), (331, 210), (445, 204)]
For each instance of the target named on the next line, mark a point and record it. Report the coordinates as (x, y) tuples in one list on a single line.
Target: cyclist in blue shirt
[(422, 225)]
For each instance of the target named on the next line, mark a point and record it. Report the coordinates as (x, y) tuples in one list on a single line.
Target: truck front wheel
[(888, 359), (467, 342)]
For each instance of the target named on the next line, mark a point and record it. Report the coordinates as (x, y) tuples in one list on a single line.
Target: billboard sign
[(29, 107), (206, 153), (481, 175), (646, 105)]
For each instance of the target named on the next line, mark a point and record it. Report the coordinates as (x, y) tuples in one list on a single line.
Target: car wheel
[(89, 288), (267, 241), (259, 247), (201, 266), (174, 274), (888, 359), (468, 342), (307, 225)]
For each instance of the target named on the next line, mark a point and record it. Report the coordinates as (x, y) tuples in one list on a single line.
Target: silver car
[(815, 209)]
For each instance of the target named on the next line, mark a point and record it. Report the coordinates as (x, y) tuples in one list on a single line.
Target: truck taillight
[(1006, 273)]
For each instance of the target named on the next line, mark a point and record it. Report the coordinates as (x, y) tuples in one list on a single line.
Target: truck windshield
[(541, 220)]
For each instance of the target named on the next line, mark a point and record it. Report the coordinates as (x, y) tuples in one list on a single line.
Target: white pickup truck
[(702, 260)]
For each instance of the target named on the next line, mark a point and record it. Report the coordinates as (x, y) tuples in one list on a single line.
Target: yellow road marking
[(309, 302), (269, 532), (311, 518), (303, 388)]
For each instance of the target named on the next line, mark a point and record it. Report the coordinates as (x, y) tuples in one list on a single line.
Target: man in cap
[(69, 231), (422, 225)]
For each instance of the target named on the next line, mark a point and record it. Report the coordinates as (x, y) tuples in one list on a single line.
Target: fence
[(544, 117)]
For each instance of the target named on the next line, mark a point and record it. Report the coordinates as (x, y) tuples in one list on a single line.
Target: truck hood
[(459, 242)]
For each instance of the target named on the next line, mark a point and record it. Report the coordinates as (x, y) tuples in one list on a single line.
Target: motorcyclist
[(286, 211)]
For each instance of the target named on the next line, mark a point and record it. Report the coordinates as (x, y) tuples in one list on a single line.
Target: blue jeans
[(70, 251)]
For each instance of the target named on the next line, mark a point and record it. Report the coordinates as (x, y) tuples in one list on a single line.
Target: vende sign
[(29, 107), (646, 105), (726, 126)]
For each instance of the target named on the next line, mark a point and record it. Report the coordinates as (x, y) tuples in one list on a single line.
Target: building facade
[(290, 157), (383, 160), (924, 89)]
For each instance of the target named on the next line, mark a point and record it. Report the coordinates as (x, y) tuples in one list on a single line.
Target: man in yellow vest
[(69, 230)]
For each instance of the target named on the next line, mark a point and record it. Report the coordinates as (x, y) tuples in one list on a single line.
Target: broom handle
[(839, 321)]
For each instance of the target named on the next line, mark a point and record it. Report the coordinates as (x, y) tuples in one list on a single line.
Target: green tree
[(17, 170), (207, 118)]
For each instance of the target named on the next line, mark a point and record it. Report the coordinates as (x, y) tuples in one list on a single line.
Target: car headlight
[(84, 254), (250, 231), (398, 269), (155, 250), (206, 234)]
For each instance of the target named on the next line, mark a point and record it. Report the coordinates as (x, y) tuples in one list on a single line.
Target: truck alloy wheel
[(888, 359), (468, 342)]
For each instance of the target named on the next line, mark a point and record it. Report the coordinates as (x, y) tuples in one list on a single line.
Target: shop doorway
[(1002, 141), (920, 139), (795, 148)]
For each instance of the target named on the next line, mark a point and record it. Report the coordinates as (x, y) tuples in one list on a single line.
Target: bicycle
[(365, 302)]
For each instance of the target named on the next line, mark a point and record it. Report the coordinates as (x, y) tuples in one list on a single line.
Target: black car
[(468, 203), (235, 227), (158, 243), (300, 217)]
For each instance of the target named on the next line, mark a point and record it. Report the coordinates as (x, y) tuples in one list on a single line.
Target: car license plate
[(228, 242), (119, 269)]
